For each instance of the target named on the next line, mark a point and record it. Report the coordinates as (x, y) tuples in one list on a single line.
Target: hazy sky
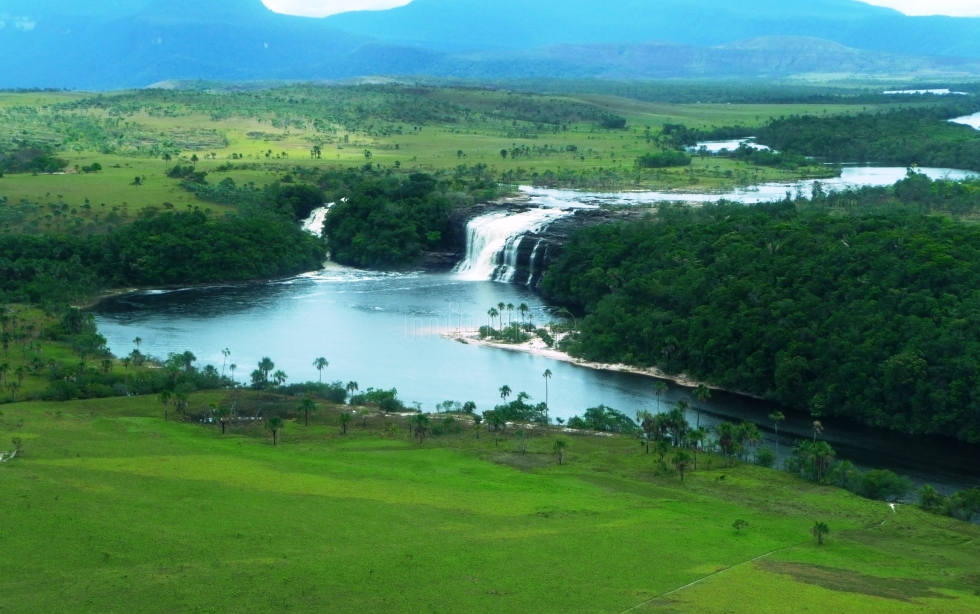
[(322, 8)]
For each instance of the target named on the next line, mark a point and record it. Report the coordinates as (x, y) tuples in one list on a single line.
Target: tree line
[(871, 317)]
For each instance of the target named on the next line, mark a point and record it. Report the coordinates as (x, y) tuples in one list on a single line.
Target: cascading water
[(314, 223), (493, 242)]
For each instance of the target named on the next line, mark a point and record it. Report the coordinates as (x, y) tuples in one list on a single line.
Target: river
[(383, 330)]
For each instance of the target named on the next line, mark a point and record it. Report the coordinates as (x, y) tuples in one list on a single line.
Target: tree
[(266, 367), (702, 393), (321, 364), (559, 448), (306, 406), (345, 419), (547, 376), (225, 353), (503, 154), (817, 429), (738, 525), (658, 390), (523, 309), (776, 417), (505, 392), (351, 389), (696, 438), (274, 424), (727, 440), (648, 425), (279, 377), (165, 397), (181, 402), (420, 426), (232, 368), (493, 313), (818, 530), (681, 460), (222, 414)]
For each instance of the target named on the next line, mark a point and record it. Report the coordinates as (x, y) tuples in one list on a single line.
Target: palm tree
[(188, 358), (138, 341), (222, 414), (493, 313), (321, 364), (345, 419), (225, 353), (726, 439), (510, 310), (547, 376), (777, 417), (658, 390), (351, 389), (702, 393), (274, 424), (181, 402), (279, 377), (696, 438), (165, 397), (505, 392), (817, 429), (647, 425), (265, 368), (232, 368), (523, 309), (420, 424), (559, 448), (306, 406), (681, 460), (819, 530)]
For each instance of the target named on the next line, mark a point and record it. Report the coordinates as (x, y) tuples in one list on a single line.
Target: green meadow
[(109, 508)]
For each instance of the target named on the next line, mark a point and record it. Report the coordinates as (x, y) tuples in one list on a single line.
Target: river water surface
[(383, 330)]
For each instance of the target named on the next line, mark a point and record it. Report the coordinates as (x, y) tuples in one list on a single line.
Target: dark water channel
[(383, 330)]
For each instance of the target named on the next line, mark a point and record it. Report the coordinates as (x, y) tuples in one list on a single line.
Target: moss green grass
[(111, 509)]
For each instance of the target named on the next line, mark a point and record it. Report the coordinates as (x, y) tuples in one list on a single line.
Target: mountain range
[(133, 43)]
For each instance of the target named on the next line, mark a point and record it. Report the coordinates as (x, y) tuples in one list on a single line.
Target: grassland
[(271, 134), (111, 509)]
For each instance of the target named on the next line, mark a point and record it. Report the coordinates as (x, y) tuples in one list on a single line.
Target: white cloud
[(323, 8), (24, 23), (3, 24), (956, 8)]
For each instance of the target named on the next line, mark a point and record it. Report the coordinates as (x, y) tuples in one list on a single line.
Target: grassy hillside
[(110, 508)]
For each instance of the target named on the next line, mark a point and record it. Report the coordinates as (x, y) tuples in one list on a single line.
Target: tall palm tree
[(420, 426), (819, 530), (505, 392), (493, 313), (696, 438), (279, 377), (658, 390), (266, 367), (222, 414), (559, 448), (817, 429), (351, 389), (777, 417), (345, 419), (306, 406), (138, 341), (225, 353), (547, 376), (647, 425), (232, 368), (510, 310), (702, 393), (165, 397), (681, 461), (523, 308), (274, 424), (321, 364)]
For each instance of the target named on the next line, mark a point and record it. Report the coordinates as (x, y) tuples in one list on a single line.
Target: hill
[(55, 43)]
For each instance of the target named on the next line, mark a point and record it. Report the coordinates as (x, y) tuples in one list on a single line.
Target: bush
[(765, 457), (385, 400), (605, 419), (880, 485), (664, 159)]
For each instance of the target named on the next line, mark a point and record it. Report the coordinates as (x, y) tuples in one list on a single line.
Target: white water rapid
[(314, 223), (493, 240)]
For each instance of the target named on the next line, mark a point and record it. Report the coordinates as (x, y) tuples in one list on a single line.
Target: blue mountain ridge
[(130, 43)]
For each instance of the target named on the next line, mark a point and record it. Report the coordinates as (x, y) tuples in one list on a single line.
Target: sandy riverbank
[(537, 347)]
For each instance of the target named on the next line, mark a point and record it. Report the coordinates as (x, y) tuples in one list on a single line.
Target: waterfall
[(494, 240), (314, 223)]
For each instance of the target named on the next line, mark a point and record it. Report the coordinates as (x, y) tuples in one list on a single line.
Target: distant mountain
[(131, 43)]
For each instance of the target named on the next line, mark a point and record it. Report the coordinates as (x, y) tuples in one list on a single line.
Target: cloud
[(24, 23), (324, 8), (955, 8)]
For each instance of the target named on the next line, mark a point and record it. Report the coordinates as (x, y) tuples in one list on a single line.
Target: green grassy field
[(112, 509), (127, 134)]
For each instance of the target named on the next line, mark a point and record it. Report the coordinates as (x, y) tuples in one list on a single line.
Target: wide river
[(381, 330)]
